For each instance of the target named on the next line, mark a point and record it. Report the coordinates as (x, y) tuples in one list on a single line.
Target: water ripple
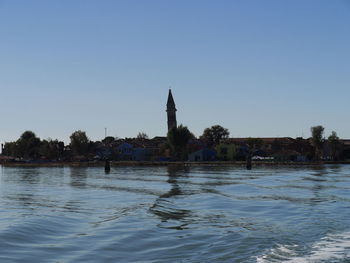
[(175, 214)]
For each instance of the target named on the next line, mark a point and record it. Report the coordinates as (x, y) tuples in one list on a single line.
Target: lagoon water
[(175, 214)]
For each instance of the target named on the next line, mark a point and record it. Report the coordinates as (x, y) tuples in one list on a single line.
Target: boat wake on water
[(331, 248)]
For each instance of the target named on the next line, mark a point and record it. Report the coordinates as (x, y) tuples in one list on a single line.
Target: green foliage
[(142, 136), (10, 149), (51, 149), (317, 135), (317, 139), (108, 140), (333, 138), (178, 138), (254, 143), (28, 145), (215, 134), (335, 145), (79, 142)]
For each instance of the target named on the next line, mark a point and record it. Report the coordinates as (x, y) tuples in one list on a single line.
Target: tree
[(51, 149), (28, 145), (10, 149), (254, 143), (215, 134), (335, 145), (108, 140), (303, 147), (79, 142), (317, 140), (178, 138), (142, 136)]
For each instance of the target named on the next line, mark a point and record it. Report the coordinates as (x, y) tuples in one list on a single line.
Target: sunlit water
[(169, 214)]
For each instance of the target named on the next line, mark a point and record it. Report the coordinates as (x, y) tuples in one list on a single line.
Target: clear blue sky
[(259, 68)]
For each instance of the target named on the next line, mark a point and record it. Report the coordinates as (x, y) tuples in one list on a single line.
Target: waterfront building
[(125, 151), (226, 152), (203, 155)]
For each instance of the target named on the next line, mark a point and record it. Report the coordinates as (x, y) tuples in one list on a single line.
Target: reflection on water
[(78, 176), (174, 214), (30, 176), (173, 174), (164, 206)]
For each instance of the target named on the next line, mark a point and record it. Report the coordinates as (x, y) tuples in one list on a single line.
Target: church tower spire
[(171, 111)]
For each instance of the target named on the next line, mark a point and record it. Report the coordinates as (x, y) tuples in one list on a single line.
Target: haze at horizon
[(259, 68)]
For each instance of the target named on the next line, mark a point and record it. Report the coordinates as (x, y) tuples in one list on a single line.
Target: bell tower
[(171, 111)]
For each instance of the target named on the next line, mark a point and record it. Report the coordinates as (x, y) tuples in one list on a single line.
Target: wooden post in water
[(107, 166), (249, 161)]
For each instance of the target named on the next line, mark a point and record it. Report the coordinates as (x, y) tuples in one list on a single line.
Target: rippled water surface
[(175, 214)]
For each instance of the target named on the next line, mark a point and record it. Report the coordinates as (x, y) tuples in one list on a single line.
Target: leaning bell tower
[(171, 111)]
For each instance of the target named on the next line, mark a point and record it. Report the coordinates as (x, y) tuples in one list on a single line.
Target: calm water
[(169, 214)]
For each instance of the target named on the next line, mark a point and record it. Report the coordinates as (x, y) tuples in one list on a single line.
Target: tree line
[(177, 144), (314, 148), (29, 146)]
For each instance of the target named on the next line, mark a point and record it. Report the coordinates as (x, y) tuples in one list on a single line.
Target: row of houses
[(197, 150), (278, 149), (232, 149), (237, 149), (133, 150)]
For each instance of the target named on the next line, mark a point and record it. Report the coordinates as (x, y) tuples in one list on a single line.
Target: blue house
[(202, 155), (125, 151), (103, 153), (141, 154)]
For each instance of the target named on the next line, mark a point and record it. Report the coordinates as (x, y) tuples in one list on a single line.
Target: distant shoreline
[(143, 163)]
